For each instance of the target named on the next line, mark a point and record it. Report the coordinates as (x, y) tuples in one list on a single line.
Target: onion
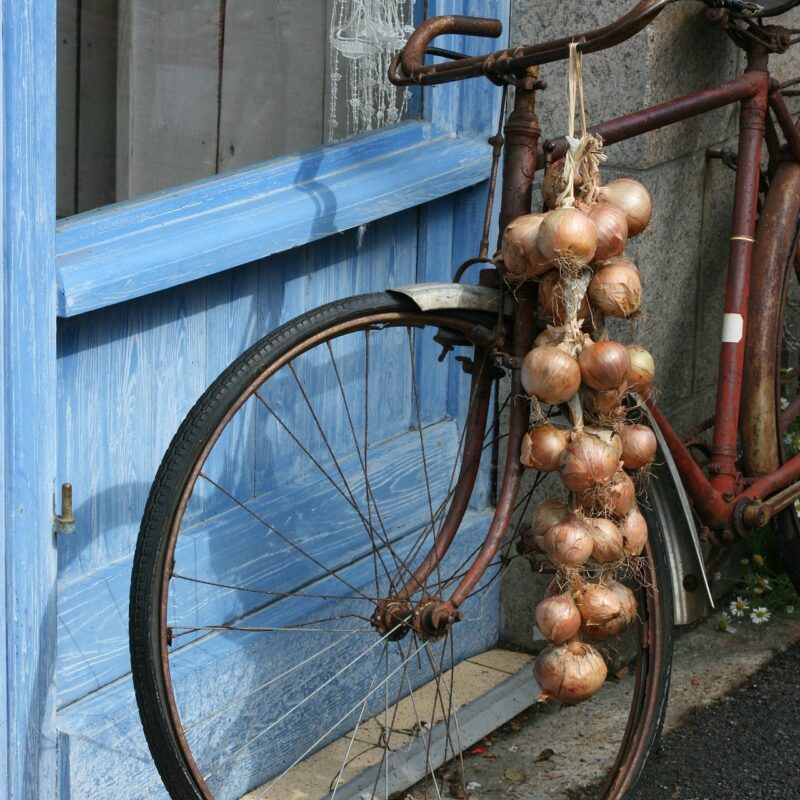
[(549, 335), (616, 625), (612, 229), (558, 618), (589, 459), (638, 445), (554, 183), (569, 673), (598, 605), (608, 544), (567, 233), (604, 365), (520, 252), (613, 499), (550, 374), (603, 404), (542, 447), (548, 514), (627, 599), (634, 532), (643, 368), (569, 542), (616, 289), (551, 299), (633, 199)]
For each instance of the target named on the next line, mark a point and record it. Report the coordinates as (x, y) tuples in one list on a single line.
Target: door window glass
[(154, 93)]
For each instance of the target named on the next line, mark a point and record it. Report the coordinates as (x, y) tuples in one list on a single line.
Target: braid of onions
[(576, 251)]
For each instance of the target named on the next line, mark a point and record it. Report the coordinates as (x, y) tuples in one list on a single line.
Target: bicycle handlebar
[(513, 61), (496, 65)]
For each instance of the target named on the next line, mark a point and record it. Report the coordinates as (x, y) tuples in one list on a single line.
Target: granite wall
[(683, 254)]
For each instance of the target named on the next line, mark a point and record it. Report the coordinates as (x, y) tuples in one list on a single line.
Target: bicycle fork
[(432, 617)]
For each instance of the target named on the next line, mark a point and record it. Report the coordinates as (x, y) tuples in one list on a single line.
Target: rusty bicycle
[(336, 634)]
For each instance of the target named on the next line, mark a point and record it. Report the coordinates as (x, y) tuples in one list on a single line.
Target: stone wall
[(683, 255)]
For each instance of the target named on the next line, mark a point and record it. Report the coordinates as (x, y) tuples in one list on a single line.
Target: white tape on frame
[(732, 328)]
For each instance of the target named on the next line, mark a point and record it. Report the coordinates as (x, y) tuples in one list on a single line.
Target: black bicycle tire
[(151, 547)]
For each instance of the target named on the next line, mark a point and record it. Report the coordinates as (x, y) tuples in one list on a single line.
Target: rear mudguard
[(665, 493)]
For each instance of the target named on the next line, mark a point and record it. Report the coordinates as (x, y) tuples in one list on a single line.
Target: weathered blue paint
[(29, 384), (104, 729), (131, 369), (156, 242)]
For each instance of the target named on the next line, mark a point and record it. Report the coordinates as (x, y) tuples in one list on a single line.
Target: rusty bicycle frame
[(727, 501)]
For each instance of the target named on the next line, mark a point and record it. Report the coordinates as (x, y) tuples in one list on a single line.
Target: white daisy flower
[(724, 623), (760, 615), (763, 583), (739, 606)]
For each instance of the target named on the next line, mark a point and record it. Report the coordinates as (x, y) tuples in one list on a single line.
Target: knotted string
[(585, 153)]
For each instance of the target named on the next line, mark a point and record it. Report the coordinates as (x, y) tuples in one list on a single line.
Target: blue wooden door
[(134, 309)]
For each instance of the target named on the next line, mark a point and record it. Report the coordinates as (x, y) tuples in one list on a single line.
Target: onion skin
[(617, 498), (630, 608), (615, 626), (558, 618), (520, 252), (634, 533), (616, 289), (569, 542), (639, 445), (633, 199), (542, 447), (550, 374), (608, 543), (554, 183), (550, 335), (643, 368), (598, 606), (612, 229), (603, 405), (604, 365), (567, 233), (551, 299), (548, 514), (588, 460), (569, 673)]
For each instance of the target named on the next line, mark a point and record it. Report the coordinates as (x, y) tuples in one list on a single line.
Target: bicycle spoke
[(371, 532), (265, 592), (346, 759), (269, 683), (303, 702), (352, 427), (426, 741), (336, 724), (350, 500), (281, 536), (300, 628)]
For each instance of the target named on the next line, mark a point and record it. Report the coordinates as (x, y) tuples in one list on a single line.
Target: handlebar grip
[(413, 54)]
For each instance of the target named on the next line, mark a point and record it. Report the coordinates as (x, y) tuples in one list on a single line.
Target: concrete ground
[(539, 749)]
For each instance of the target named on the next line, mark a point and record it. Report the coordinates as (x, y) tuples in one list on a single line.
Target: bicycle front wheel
[(284, 553)]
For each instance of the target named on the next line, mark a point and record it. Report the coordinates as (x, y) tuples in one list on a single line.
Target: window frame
[(147, 244)]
